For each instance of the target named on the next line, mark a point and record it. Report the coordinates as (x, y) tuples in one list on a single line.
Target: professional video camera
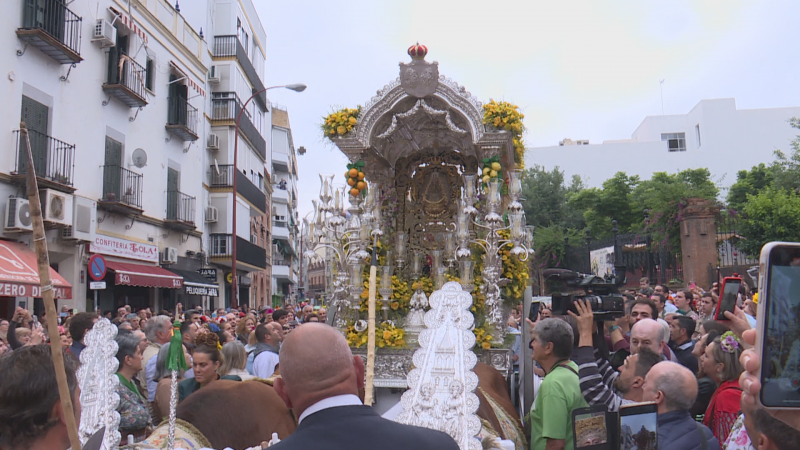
[(600, 292)]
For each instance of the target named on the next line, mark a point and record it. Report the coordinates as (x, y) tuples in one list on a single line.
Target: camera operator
[(599, 382)]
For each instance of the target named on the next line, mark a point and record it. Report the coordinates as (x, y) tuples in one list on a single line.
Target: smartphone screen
[(533, 315), (638, 426), (590, 428), (780, 374), (730, 294)]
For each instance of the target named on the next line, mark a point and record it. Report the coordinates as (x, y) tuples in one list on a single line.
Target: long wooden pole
[(373, 268), (43, 260)]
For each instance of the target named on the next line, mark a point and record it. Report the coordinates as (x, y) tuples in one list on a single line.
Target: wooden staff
[(43, 260), (373, 268)]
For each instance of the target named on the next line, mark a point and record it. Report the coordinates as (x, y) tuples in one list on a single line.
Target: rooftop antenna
[(661, 85)]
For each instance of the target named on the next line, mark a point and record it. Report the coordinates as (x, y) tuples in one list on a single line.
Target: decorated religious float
[(433, 183)]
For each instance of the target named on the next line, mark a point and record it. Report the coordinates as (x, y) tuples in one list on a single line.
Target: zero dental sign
[(123, 248)]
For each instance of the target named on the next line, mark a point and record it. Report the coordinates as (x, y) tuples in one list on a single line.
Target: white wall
[(730, 140)]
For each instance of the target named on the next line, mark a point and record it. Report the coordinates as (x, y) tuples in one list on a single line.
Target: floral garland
[(386, 335), (729, 342), (341, 122), (506, 116)]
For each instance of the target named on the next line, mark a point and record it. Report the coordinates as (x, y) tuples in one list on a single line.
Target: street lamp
[(297, 87)]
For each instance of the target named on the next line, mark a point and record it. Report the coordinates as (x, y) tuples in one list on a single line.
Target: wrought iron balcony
[(246, 252), (122, 190), (182, 119), (226, 107), (126, 79), (180, 210), (52, 28), (53, 160), (222, 178), (230, 45)]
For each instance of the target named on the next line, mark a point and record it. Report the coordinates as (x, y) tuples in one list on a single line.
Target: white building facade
[(714, 134), (286, 252), (131, 114)]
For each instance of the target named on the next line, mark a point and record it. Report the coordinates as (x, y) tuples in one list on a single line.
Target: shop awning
[(19, 274), (130, 274), (197, 284)]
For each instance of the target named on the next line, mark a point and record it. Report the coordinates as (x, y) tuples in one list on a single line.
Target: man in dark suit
[(320, 381)]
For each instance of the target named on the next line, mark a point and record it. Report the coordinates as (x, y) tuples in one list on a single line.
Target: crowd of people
[(667, 348), (222, 344)]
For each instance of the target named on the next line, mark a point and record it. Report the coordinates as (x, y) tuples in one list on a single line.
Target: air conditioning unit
[(104, 33), (169, 256), (18, 215), (56, 207), (213, 142), (213, 76), (84, 221), (212, 214)]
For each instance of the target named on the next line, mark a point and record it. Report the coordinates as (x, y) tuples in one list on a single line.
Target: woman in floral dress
[(134, 418)]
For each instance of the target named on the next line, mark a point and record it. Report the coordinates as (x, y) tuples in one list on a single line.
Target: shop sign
[(124, 248), (31, 290), (210, 274), (197, 290)]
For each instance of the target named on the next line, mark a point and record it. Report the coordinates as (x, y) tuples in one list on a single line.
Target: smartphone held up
[(778, 337)]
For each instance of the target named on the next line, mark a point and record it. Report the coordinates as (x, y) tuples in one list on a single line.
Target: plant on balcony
[(339, 123), (505, 116)]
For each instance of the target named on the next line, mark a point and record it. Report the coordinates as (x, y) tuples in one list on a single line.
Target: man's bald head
[(316, 363), (671, 385), (647, 333)]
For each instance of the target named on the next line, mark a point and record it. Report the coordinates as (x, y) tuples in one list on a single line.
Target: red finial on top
[(417, 52)]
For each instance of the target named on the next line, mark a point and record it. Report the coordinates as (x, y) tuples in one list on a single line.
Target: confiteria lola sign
[(123, 248)]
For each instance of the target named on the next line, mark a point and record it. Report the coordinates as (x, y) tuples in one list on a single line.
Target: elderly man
[(560, 392), (674, 388), (321, 386), (158, 331), (31, 412), (266, 351), (647, 333), (600, 383), (308, 309), (323, 315)]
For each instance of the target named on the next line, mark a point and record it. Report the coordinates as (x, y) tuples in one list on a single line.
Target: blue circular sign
[(97, 267)]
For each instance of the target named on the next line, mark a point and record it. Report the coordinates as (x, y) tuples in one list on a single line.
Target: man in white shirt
[(266, 352)]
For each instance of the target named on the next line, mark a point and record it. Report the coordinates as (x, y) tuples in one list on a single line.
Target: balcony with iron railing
[(230, 45), (52, 28), (125, 79), (246, 251), (225, 108), (53, 161), (222, 179), (180, 211), (122, 190), (182, 119)]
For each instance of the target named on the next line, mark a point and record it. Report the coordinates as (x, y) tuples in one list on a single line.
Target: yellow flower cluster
[(386, 336), (515, 270), (506, 116), (483, 339), (424, 283), (341, 122)]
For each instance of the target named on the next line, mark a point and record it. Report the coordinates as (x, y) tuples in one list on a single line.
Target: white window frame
[(678, 139)]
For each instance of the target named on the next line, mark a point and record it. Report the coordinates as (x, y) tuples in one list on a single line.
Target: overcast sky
[(577, 69)]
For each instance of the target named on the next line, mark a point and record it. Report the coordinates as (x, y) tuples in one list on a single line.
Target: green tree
[(612, 201), (664, 194), (545, 198), (770, 215), (548, 242), (749, 182)]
